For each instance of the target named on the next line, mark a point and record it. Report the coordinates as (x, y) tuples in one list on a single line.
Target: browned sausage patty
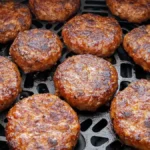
[(42, 122), (14, 17), (86, 81), (36, 50), (54, 10), (130, 111), (10, 83), (137, 44), (92, 34), (135, 11)]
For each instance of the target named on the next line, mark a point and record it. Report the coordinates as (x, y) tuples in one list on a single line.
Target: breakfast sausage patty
[(137, 44), (10, 83), (130, 112), (14, 17), (92, 34), (42, 122), (86, 81), (54, 10), (36, 50), (135, 11)]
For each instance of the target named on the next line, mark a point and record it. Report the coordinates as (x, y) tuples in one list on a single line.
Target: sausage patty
[(130, 111), (135, 11), (10, 83), (54, 10), (42, 122), (92, 34), (14, 17), (86, 81), (137, 44), (36, 50)]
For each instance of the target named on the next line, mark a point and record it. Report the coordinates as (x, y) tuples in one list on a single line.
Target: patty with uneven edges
[(92, 34), (14, 17), (130, 113), (54, 10), (36, 50), (86, 82), (10, 83), (136, 11), (137, 45), (42, 122)]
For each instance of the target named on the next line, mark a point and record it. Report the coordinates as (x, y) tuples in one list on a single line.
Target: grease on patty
[(86, 81), (36, 50), (42, 122), (130, 112), (14, 17)]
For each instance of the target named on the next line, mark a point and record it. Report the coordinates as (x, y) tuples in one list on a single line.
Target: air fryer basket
[(96, 128)]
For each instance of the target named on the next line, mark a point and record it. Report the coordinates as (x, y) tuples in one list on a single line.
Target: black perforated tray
[(96, 128)]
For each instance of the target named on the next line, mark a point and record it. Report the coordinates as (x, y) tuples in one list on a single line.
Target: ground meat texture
[(36, 50), (136, 11), (86, 81), (14, 17), (10, 83), (130, 112), (137, 45), (54, 10), (42, 122), (92, 34)]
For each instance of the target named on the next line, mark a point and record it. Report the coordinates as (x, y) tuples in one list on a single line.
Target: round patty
[(92, 34), (135, 11), (137, 44), (42, 122), (86, 81), (14, 17), (10, 83), (36, 50), (54, 10), (130, 111)]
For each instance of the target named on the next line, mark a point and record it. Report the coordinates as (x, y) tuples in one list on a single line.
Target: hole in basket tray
[(29, 82), (2, 130), (100, 125), (116, 145), (80, 144), (95, 2), (123, 85), (5, 120), (98, 141), (86, 124), (126, 70), (3, 146), (42, 88), (25, 94), (139, 72), (37, 24)]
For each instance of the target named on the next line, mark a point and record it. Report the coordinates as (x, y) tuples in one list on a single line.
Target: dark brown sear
[(137, 44), (86, 81), (10, 83), (36, 50), (54, 10), (92, 34), (136, 11), (42, 122), (14, 17), (130, 112)]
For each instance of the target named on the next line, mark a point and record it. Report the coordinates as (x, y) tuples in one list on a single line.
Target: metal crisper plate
[(96, 128)]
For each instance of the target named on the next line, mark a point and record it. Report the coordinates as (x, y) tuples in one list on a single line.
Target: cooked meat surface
[(136, 11), (86, 81), (14, 17), (92, 34), (10, 83), (54, 10), (42, 122), (137, 45), (130, 112), (36, 50)]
